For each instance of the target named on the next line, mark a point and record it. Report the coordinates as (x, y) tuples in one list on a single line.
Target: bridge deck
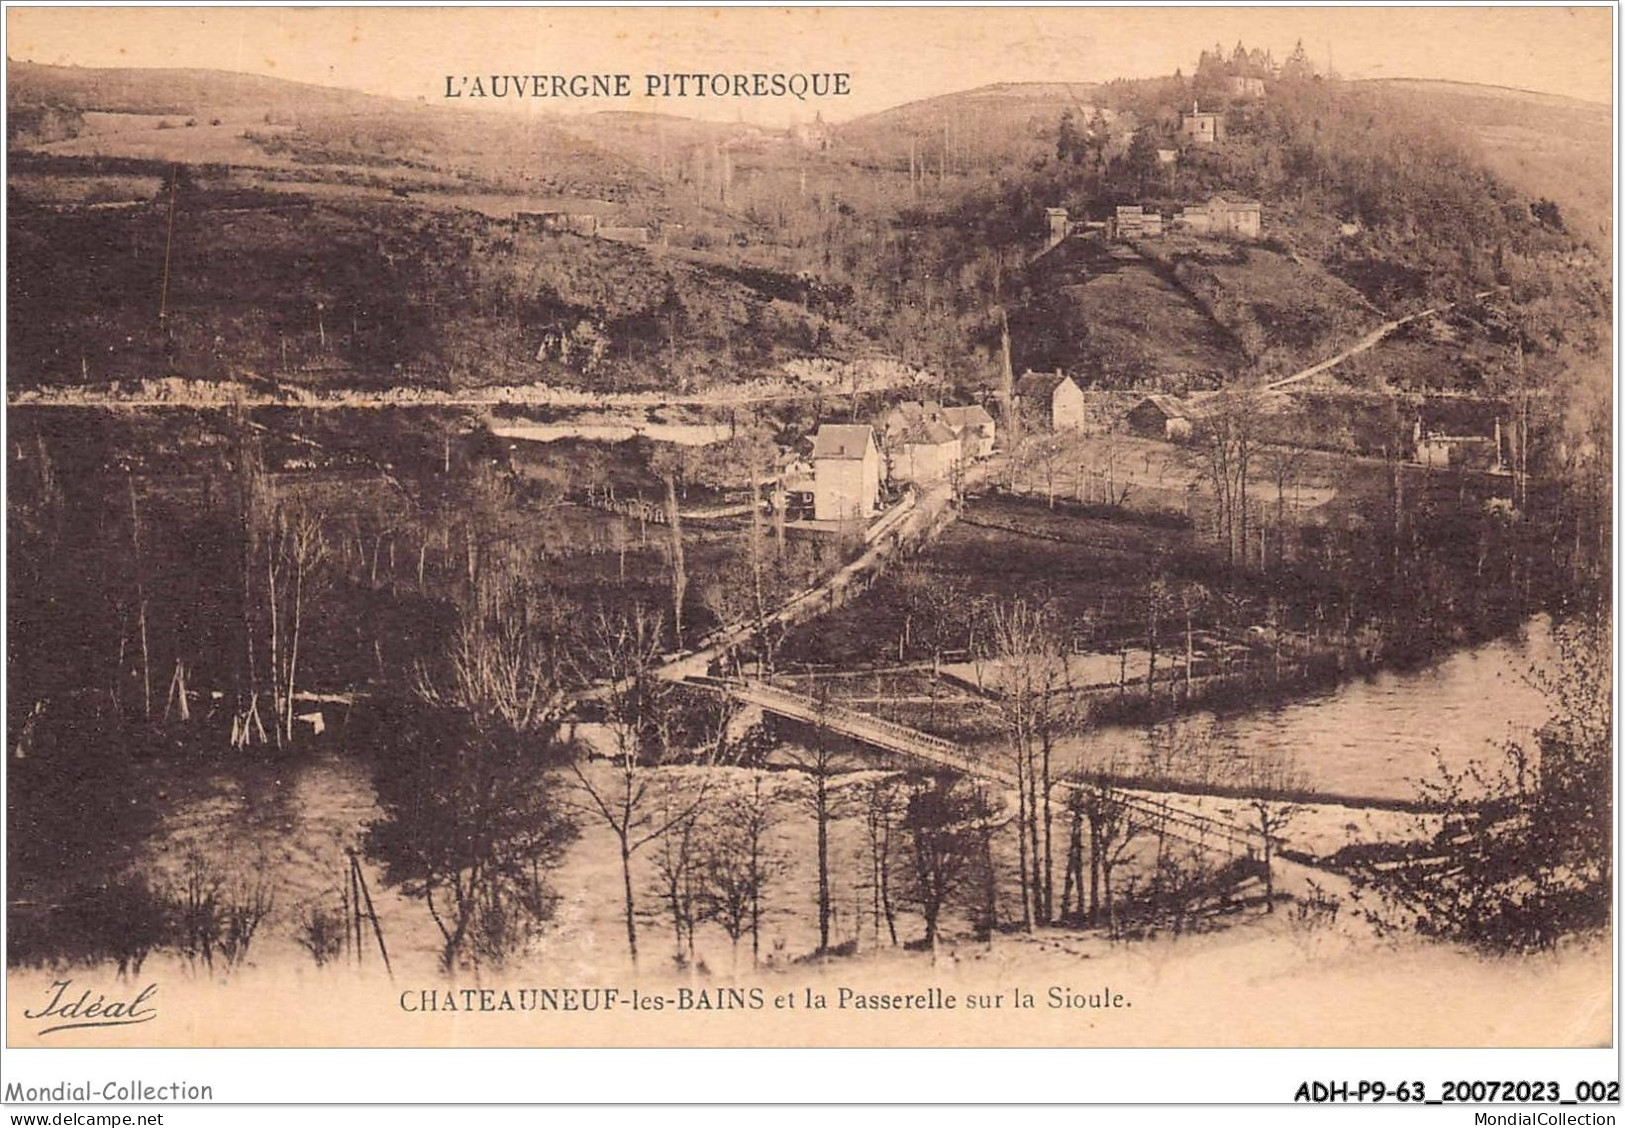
[(1201, 830)]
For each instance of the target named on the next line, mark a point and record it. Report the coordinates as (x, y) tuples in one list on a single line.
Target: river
[(293, 821), (1374, 737)]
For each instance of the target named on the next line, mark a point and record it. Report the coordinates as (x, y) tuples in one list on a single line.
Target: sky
[(893, 55)]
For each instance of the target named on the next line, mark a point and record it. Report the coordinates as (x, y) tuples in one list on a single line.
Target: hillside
[(1547, 146), (1376, 203), (356, 292), (294, 131), (159, 91), (1119, 318), (329, 238), (915, 227), (969, 129)]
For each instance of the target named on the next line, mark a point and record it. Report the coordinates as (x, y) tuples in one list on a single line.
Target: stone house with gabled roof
[(1053, 398), (974, 428), (923, 452), (846, 472)]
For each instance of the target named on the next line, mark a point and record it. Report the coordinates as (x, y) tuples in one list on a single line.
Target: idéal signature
[(93, 1009)]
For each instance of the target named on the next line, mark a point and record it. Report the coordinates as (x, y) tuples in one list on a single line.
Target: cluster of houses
[(920, 443), (916, 443), (1440, 438), (1222, 217)]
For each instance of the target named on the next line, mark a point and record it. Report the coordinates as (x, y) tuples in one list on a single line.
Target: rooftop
[(928, 432), (974, 415), (1040, 383), (843, 440)]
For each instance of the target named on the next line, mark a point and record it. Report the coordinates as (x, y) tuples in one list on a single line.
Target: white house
[(1161, 417), (1053, 396), (846, 472), (1226, 217), (1201, 128), (924, 452), (974, 428)]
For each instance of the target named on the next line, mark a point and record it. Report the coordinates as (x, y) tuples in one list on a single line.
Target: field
[(1279, 312), (1118, 318), (1089, 568)]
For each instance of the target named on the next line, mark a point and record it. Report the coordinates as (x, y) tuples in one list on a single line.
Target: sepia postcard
[(852, 527)]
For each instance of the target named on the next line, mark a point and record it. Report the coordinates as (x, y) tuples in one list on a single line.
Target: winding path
[(1372, 338)]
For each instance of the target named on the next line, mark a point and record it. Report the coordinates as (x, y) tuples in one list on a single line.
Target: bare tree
[(883, 801), (932, 618), (670, 463), (678, 867), (1107, 454), (1193, 599), (254, 505), (1227, 443), (322, 931), (296, 555), (751, 452), (1112, 827), (1283, 463), (1026, 668), (946, 818), (471, 825), (1273, 785), (215, 912), (818, 760), (141, 602), (738, 864), (1050, 453), (619, 650), (1159, 601)]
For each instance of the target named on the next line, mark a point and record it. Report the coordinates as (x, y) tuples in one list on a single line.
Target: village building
[(846, 472), (796, 483), (909, 412), (814, 135), (1201, 128), (1060, 226), (1161, 417), (1134, 221), (973, 426), (1168, 156), (1246, 86), (923, 452), (1224, 217), (559, 223), (1052, 397), (1439, 449)]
